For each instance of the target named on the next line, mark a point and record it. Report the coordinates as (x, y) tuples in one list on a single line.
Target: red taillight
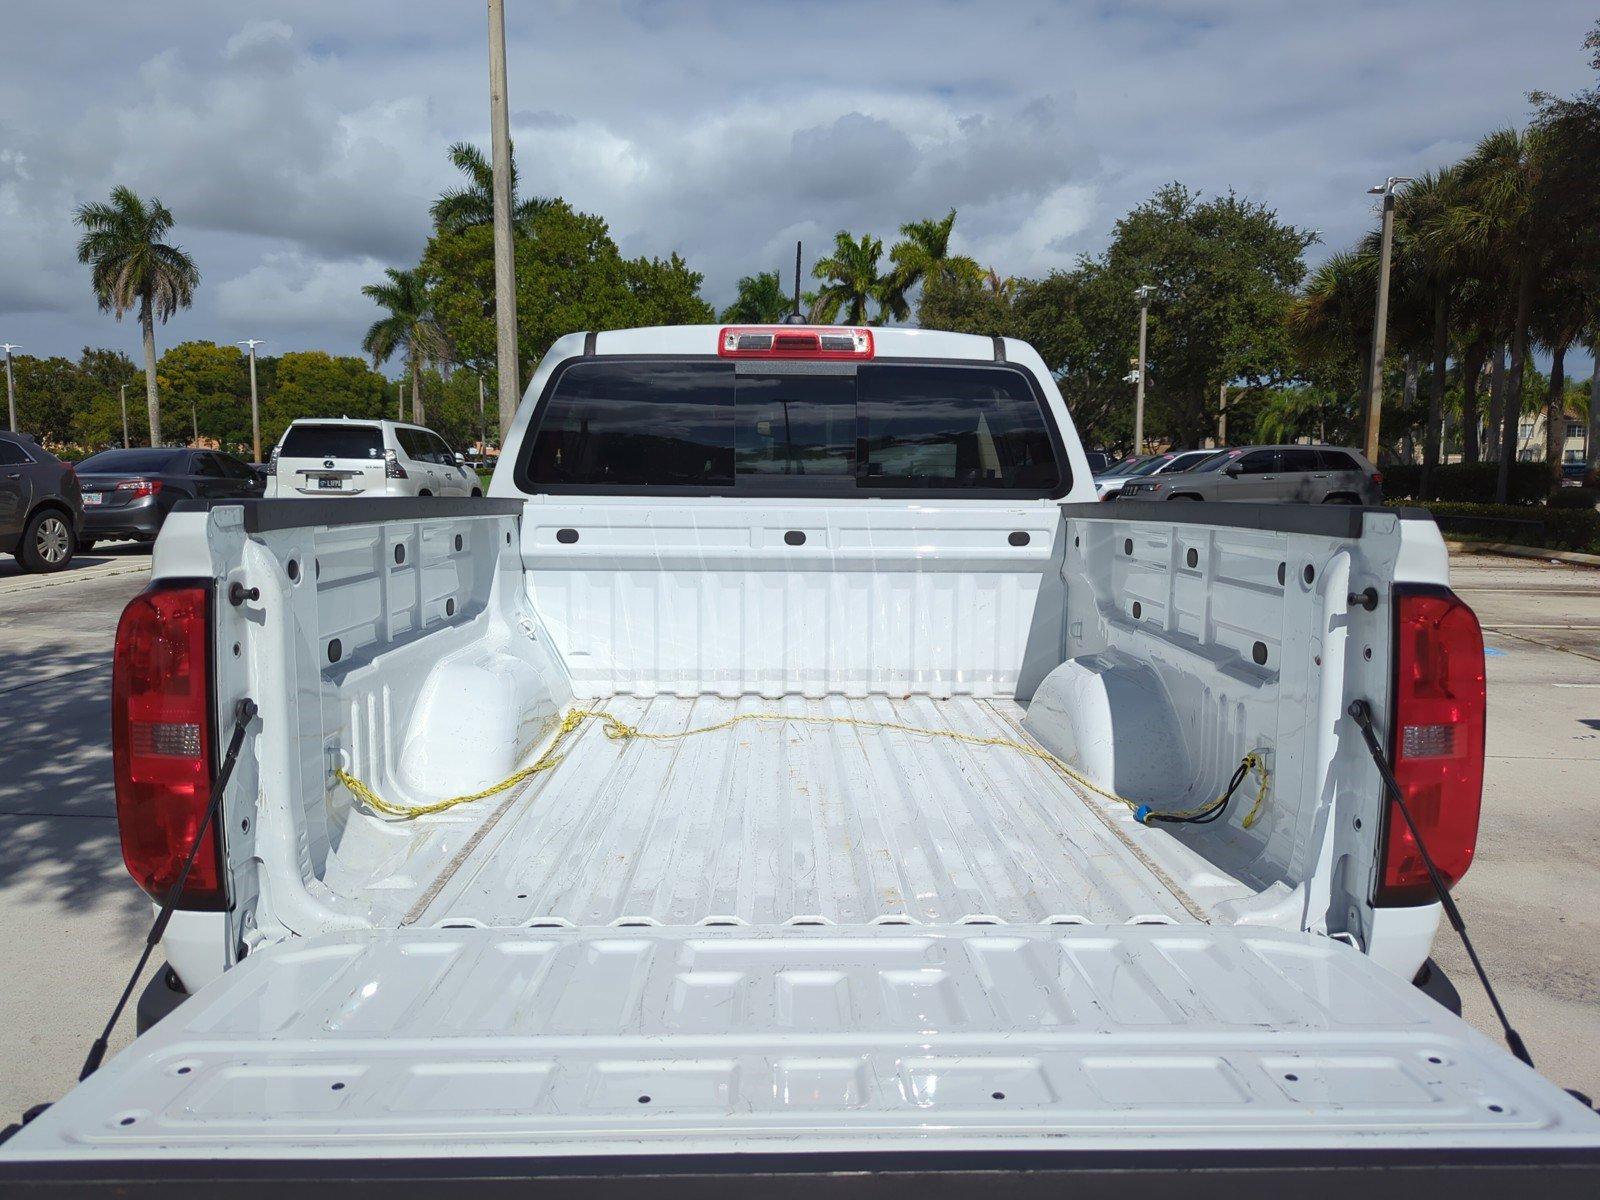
[(391, 466), (1436, 746), (161, 743), (140, 487), (1377, 477), (794, 341)]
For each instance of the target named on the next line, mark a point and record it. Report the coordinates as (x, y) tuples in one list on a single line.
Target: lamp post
[(505, 285), (1380, 322), (122, 391), (1142, 294), (399, 399), (11, 387), (255, 404)]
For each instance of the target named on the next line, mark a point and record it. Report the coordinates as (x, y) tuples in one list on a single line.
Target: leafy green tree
[(962, 303), (923, 255), (850, 281), (131, 267), (472, 205), (761, 301), (570, 277), (313, 383), (98, 423), (208, 388), (50, 394), (410, 329)]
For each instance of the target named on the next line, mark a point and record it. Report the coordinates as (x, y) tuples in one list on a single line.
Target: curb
[(1563, 556), (69, 577)]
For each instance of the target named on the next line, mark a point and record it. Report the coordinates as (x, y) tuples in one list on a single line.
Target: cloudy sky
[(299, 142)]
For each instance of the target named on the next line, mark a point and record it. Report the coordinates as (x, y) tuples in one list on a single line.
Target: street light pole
[(1380, 322), (122, 391), (255, 404), (505, 286), (11, 387), (399, 399), (483, 430), (1143, 294)]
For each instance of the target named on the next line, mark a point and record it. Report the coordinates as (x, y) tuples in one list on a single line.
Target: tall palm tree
[(923, 253), (466, 207), (1510, 216), (1428, 268), (761, 301), (850, 280), (131, 267), (1330, 322), (410, 329)]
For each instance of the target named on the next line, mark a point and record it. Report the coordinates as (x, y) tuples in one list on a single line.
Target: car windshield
[(1188, 461), (1151, 465), (1123, 467), (1216, 462), (332, 441), (111, 461)]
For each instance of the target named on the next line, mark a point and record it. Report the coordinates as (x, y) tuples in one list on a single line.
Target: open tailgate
[(653, 1053)]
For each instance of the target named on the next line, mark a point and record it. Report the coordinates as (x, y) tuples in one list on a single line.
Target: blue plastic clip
[(1140, 813)]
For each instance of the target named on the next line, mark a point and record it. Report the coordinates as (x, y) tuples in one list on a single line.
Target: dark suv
[(40, 508)]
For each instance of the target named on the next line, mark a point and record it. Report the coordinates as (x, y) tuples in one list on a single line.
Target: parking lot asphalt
[(71, 922)]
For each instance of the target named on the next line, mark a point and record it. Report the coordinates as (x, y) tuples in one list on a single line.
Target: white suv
[(344, 457)]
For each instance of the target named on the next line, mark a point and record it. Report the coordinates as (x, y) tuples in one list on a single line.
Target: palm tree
[(1427, 271), (1001, 287), (921, 255), (761, 301), (410, 328), (473, 205), (1510, 216), (850, 280), (1330, 322), (131, 266)]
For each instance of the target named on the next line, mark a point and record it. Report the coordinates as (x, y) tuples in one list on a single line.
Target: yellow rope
[(617, 731)]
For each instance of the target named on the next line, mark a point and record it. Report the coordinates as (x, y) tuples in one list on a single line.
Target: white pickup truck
[(874, 837)]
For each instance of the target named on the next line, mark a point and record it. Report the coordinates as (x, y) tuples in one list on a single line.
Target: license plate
[(90, 499), (324, 481)]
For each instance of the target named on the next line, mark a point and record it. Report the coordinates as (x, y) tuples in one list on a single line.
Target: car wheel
[(1340, 498), (85, 545), (477, 491), (424, 492), (47, 542)]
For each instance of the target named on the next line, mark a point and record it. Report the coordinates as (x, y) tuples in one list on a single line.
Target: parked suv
[(1299, 474), (1109, 484), (41, 510), (343, 457)]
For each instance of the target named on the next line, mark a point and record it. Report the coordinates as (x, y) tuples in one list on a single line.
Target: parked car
[(1108, 486), (1099, 461), (866, 927), (128, 493), (344, 457), (41, 509), (1302, 474)]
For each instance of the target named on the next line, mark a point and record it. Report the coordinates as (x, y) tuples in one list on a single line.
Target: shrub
[(1467, 482), (1574, 497), (1523, 525)]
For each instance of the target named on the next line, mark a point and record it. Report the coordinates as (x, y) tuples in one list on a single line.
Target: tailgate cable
[(1361, 712), (244, 712), (617, 731)]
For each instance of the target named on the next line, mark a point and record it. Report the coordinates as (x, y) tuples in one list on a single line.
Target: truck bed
[(765, 823)]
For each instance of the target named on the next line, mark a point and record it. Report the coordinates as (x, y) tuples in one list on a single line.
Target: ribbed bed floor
[(768, 823)]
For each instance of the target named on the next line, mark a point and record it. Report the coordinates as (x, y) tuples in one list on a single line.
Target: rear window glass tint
[(111, 461), (638, 424), (12, 454), (1337, 460), (761, 431), (332, 441)]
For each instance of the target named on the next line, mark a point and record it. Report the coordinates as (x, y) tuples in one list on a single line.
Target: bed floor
[(771, 823)]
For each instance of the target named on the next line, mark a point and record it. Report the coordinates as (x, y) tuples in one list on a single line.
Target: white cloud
[(299, 147)]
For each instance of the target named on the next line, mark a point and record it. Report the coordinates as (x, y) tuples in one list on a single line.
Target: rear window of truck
[(332, 441), (775, 429)]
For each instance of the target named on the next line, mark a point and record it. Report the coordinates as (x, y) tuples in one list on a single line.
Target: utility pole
[(399, 399), (123, 392), (255, 404), (505, 284), (11, 387), (1222, 418), (1380, 323), (1142, 293), (483, 430)]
